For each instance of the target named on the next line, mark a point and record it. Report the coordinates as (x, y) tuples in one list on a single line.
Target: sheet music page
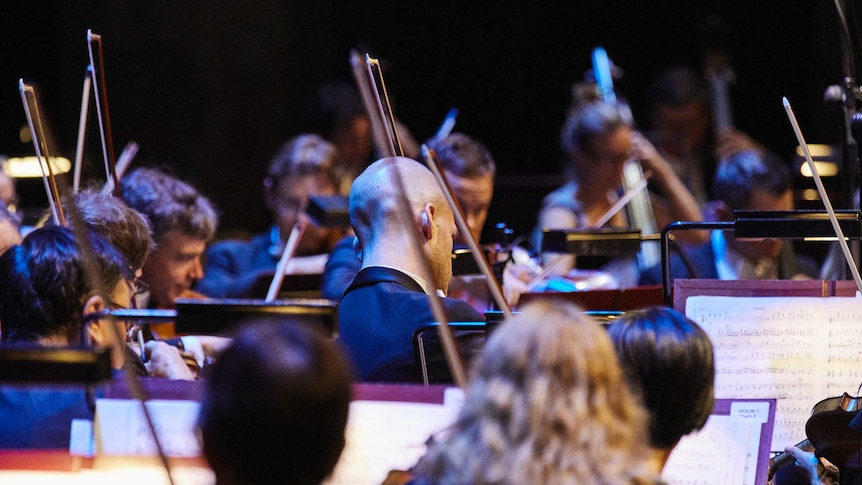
[(384, 436), (758, 413), (715, 455), (795, 349), (120, 427)]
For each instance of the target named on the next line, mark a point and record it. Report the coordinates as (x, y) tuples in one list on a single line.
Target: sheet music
[(120, 428), (757, 413), (798, 350), (713, 455), (384, 436)]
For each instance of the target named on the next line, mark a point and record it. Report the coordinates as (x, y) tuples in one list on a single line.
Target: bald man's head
[(378, 220), (374, 196)]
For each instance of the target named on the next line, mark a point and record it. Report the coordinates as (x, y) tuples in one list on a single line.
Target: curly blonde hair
[(547, 404)]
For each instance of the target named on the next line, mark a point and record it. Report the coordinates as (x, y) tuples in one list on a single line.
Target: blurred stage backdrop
[(212, 88)]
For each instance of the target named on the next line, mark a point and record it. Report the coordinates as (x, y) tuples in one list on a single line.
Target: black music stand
[(797, 225), (592, 242), (328, 210), (53, 365), (213, 317)]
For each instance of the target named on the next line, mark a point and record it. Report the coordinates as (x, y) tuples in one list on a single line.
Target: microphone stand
[(850, 98)]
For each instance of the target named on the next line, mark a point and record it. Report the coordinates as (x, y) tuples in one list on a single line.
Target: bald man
[(469, 168), (388, 299)]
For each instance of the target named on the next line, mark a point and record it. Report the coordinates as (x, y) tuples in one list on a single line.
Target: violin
[(833, 433)]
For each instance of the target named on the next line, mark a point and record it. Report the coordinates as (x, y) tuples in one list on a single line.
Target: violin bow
[(824, 196), (371, 103), (123, 163), (286, 256), (82, 129), (496, 292), (384, 108), (384, 105), (40, 144), (102, 105), (447, 125)]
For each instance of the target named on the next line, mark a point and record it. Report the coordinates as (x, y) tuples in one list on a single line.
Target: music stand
[(211, 317), (796, 225), (52, 365)]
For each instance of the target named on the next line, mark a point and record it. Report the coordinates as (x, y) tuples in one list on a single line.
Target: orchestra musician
[(750, 180), (469, 168), (183, 222), (598, 142), (388, 299), (129, 231), (304, 166), (546, 403), (48, 300), (336, 113), (681, 119), (275, 407), (668, 362)]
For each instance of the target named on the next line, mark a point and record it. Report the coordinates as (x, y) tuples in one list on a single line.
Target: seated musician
[(389, 300), (304, 166), (183, 222), (128, 230), (276, 407), (748, 180), (335, 113), (546, 403), (681, 118), (469, 168), (598, 142), (48, 299), (668, 361)]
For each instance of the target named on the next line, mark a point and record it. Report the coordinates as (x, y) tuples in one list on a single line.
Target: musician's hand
[(650, 158), (729, 142), (817, 472), (164, 360), (212, 345)]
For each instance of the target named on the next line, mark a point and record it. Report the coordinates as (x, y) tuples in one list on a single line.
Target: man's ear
[(357, 247), (96, 329), (426, 221)]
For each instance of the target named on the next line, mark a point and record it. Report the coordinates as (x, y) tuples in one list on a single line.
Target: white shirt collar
[(426, 286)]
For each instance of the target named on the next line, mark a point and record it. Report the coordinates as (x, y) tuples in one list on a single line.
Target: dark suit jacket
[(233, 267), (380, 312), (702, 259)]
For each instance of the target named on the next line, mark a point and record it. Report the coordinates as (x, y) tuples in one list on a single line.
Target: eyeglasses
[(139, 286)]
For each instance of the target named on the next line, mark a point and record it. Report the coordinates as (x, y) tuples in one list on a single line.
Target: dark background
[(211, 89)]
